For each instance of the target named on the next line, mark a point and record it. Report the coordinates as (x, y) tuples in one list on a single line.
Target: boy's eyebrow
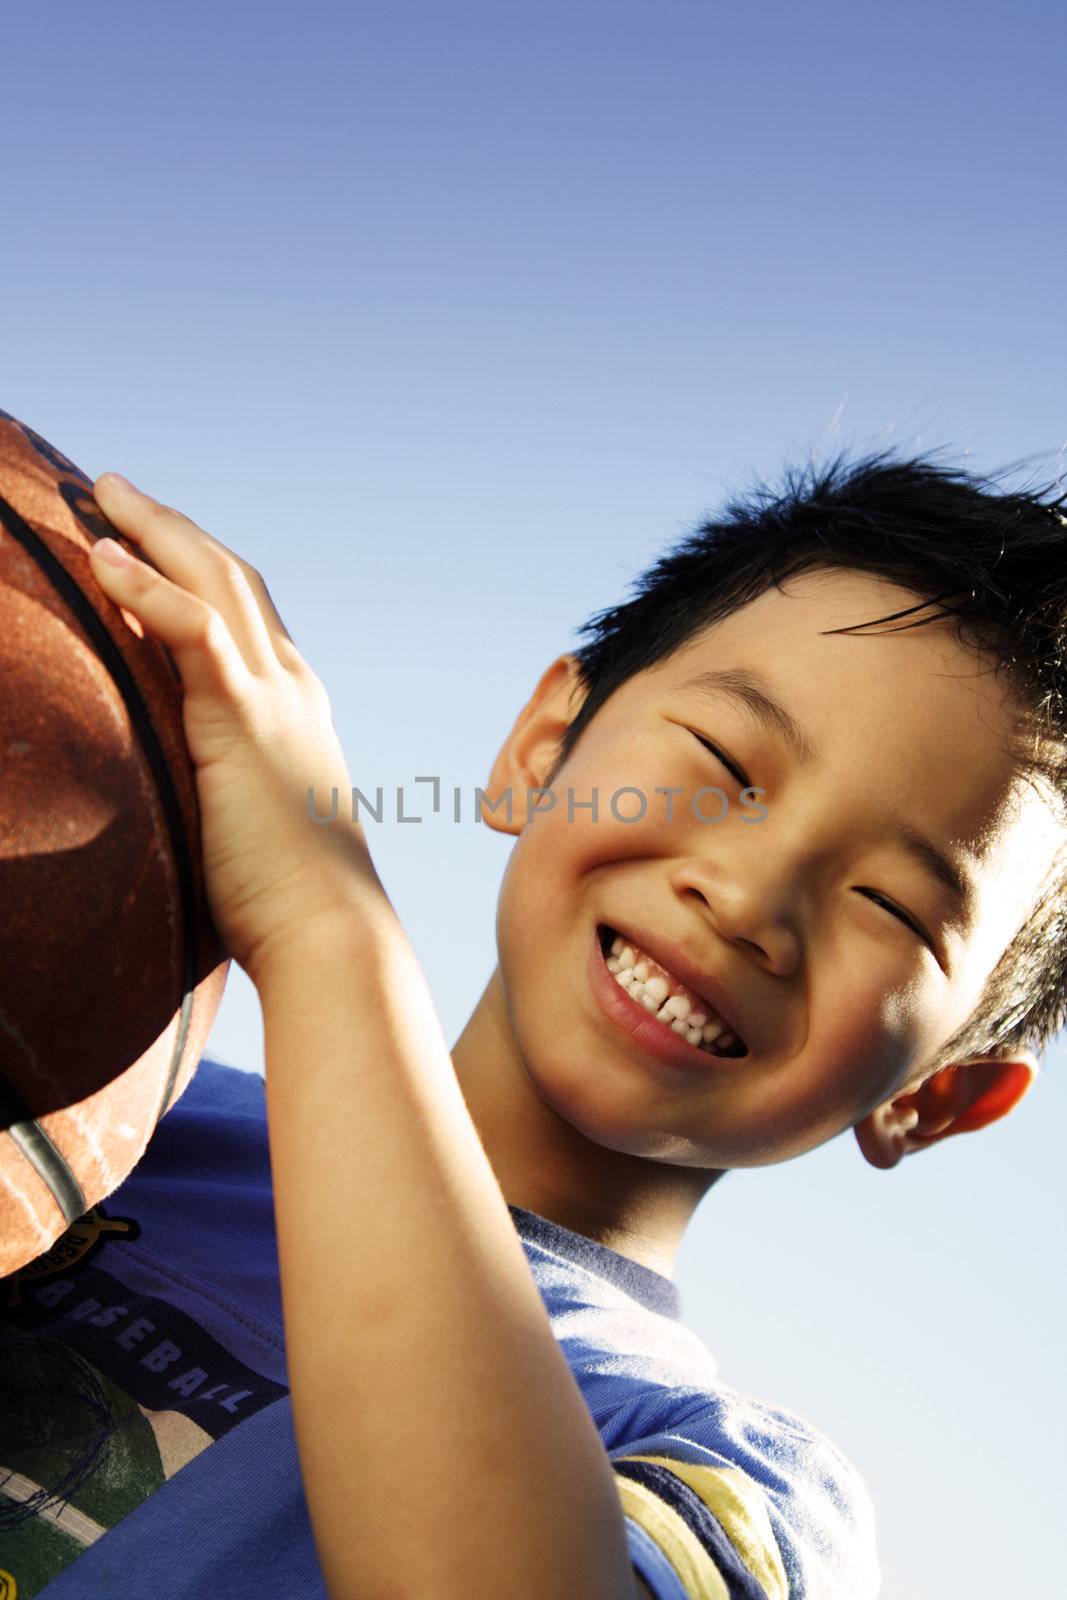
[(749, 689), (746, 685)]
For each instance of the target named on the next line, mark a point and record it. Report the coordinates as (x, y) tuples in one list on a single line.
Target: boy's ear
[(526, 756), (960, 1098)]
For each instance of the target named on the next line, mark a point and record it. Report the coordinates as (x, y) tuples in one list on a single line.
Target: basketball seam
[(111, 657)]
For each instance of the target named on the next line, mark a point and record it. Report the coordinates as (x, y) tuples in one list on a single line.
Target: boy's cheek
[(842, 1068)]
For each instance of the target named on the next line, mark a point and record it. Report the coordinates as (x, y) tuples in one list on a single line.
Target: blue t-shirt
[(146, 1440)]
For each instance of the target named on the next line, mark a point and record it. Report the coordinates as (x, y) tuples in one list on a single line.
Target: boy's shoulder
[(726, 1484), (713, 1481)]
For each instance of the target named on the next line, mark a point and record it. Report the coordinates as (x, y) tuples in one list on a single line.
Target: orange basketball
[(110, 969)]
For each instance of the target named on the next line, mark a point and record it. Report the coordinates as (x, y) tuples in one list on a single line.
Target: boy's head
[(908, 621)]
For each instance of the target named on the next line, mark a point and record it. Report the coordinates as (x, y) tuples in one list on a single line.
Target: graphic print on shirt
[(82, 1239), (107, 1393)]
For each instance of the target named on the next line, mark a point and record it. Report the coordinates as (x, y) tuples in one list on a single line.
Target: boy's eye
[(732, 768), (902, 916), (880, 899)]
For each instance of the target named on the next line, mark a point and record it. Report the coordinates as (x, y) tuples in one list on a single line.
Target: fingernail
[(123, 483), (111, 551)]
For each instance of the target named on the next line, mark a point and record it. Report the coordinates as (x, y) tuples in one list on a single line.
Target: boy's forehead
[(792, 637), (804, 605)]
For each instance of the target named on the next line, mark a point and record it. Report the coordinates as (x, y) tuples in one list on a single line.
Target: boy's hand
[(257, 722)]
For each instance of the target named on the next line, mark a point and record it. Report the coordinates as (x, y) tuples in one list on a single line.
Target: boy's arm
[(446, 1447)]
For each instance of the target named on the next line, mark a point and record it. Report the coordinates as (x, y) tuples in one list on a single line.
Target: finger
[(280, 636), (202, 565), (196, 635)]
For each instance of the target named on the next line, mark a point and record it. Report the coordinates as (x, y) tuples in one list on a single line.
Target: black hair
[(990, 558), (72, 1429)]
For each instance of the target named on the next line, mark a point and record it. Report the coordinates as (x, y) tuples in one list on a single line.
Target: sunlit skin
[(841, 1004)]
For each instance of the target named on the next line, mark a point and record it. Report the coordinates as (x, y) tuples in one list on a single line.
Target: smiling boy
[(842, 956), (492, 1390)]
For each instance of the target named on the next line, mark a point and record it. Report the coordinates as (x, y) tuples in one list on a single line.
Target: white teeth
[(626, 956), (616, 946), (612, 964), (674, 1010)]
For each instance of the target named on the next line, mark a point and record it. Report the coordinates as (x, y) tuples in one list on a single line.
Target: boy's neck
[(636, 1206)]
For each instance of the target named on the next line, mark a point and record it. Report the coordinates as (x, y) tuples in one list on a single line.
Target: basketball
[(111, 971)]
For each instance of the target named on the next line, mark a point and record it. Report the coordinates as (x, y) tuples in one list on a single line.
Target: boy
[(869, 936)]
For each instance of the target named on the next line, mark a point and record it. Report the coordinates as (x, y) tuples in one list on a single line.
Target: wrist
[(338, 922)]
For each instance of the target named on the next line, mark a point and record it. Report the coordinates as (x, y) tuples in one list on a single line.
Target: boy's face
[(838, 1001)]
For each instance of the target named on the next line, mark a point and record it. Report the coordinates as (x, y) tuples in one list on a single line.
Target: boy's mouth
[(664, 996)]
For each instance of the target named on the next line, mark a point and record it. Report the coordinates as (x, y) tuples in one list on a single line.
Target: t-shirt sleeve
[(729, 1499)]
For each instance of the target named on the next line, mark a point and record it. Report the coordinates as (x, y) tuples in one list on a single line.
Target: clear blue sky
[(449, 318)]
